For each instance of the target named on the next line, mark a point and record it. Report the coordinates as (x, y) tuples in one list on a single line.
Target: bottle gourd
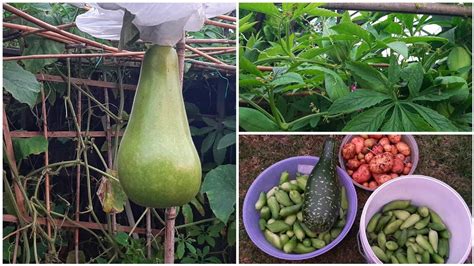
[(158, 165), (323, 192)]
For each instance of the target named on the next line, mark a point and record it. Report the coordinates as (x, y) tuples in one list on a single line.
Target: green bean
[(423, 211), (274, 239), (401, 214), (274, 207), (422, 223), (262, 200), (265, 213), (295, 196), (283, 198), (379, 253), (411, 257), (284, 177), (392, 227), (420, 240), (396, 205), (410, 221), (373, 222), (433, 239)]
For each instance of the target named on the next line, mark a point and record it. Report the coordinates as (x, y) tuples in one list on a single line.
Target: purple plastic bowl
[(408, 139), (270, 178)]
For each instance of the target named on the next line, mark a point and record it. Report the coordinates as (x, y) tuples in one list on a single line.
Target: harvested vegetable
[(405, 233), (284, 227), (383, 157)]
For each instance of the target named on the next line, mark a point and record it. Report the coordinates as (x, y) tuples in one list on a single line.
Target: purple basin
[(270, 178)]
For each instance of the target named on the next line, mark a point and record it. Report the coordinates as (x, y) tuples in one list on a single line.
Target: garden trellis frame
[(58, 34)]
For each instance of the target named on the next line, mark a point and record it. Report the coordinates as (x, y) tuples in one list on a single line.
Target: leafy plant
[(358, 71)]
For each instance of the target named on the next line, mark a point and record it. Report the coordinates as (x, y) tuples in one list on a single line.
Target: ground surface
[(447, 158)]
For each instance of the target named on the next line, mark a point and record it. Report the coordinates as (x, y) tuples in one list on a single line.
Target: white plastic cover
[(159, 23)]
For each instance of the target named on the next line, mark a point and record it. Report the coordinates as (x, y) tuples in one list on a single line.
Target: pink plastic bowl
[(408, 139)]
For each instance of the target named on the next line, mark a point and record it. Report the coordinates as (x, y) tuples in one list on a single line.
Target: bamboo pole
[(416, 8), (225, 17), (210, 58), (47, 186), (219, 24)]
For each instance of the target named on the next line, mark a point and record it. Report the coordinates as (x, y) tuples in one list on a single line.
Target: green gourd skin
[(158, 165), (323, 192)]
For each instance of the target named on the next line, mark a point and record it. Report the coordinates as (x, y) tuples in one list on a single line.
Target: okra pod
[(403, 237), (290, 233), (401, 214), (443, 247), (290, 210), (391, 245), (278, 226), (420, 240), (411, 257), (307, 231), (271, 192), (394, 260), (317, 243), (437, 258), (283, 198), (307, 242), (379, 253), (265, 213), (373, 222), (433, 239), (437, 226), (422, 223), (299, 233), (381, 240), (423, 211), (335, 232), (445, 234), (290, 219), (302, 249), (295, 196), (274, 207), (299, 216), (410, 221), (392, 227), (284, 239), (435, 217), (344, 202), (425, 257), (382, 222), (327, 238), (290, 245), (262, 224), (401, 258), (284, 177), (411, 209), (274, 239)]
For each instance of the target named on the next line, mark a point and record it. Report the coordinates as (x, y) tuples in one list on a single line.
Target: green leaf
[(368, 77), (399, 47), (352, 29), (395, 122), (191, 248), (27, 146), (218, 154), (287, 78), (227, 140), (335, 87), (22, 84), (413, 74), (369, 120), (208, 142), (180, 250), (265, 8), (39, 45), (229, 123), (246, 65), (394, 70), (435, 95), (247, 26), (129, 32), (313, 52), (413, 122), (114, 198), (187, 213), (313, 10), (253, 120), (415, 39), (437, 121), (198, 206), (71, 257), (121, 238), (357, 100), (219, 185), (231, 234)]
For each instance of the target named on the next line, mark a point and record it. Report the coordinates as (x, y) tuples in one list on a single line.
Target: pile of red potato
[(372, 160)]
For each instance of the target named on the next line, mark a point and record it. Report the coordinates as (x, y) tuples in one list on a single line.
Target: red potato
[(360, 156), (393, 175), (384, 141), (400, 156), (394, 138), (349, 151), (353, 164), (369, 156), (364, 136), (377, 149), (382, 179), (387, 148), (381, 163), (362, 174), (362, 161), (403, 148), (376, 136), (408, 164), (359, 144), (350, 172), (369, 143), (406, 170), (394, 150), (365, 184), (373, 185), (397, 166)]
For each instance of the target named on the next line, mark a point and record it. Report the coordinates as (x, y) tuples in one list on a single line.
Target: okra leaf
[(357, 100), (369, 120), (368, 77), (394, 70), (287, 78), (253, 120), (435, 95), (413, 122), (335, 86), (436, 120), (394, 123), (219, 186)]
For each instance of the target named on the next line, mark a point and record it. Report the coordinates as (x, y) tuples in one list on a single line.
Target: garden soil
[(447, 158)]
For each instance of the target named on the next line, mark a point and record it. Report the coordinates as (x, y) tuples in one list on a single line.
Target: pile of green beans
[(281, 218), (405, 233)]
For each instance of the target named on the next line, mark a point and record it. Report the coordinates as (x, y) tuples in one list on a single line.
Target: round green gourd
[(158, 165)]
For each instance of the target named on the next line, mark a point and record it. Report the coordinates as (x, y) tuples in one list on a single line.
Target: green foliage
[(362, 72), (27, 146), (219, 186), (21, 84)]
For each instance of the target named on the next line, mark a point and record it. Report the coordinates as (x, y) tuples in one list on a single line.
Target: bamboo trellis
[(58, 34)]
